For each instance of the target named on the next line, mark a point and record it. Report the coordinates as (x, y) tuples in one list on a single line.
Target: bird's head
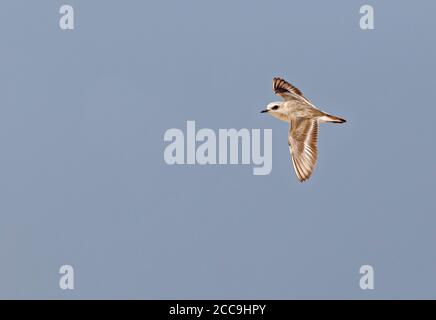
[(276, 109)]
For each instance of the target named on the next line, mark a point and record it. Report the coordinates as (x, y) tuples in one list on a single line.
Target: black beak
[(263, 111)]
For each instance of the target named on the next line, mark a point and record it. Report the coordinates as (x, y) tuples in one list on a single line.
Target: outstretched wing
[(302, 139), (287, 91)]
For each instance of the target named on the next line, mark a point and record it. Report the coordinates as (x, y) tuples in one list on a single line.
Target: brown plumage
[(304, 119)]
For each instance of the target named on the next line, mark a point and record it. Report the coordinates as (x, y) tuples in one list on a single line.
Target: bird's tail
[(329, 118)]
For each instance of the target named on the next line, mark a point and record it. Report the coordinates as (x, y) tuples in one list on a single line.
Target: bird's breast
[(280, 116)]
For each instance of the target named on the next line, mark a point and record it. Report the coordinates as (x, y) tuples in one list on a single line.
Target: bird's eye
[(275, 108)]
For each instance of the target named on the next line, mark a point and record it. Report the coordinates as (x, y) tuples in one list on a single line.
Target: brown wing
[(302, 139), (287, 91)]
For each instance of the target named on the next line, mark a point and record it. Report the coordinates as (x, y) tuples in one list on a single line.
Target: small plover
[(303, 118)]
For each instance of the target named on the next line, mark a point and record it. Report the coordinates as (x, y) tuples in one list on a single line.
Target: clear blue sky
[(82, 176)]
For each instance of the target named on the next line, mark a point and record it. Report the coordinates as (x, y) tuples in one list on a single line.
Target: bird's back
[(297, 109)]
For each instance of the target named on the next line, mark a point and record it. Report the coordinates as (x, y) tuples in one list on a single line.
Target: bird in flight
[(303, 118)]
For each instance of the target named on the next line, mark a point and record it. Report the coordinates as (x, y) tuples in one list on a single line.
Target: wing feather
[(287, 91), (302, 139)]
